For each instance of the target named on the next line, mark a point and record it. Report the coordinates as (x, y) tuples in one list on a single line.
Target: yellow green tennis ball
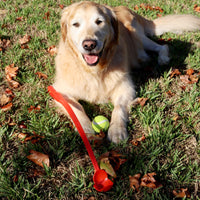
[(100, 123)]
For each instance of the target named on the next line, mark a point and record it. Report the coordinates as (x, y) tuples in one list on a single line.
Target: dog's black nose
[(89, 45)]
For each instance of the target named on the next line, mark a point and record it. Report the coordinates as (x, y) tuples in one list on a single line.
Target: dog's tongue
[(91, 59)]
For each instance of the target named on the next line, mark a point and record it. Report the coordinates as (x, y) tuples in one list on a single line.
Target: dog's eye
[(98, 21), (76, 24)]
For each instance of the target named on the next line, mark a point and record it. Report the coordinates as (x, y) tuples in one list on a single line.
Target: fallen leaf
[(161, 40), (26, 38), (196, 8), (148, 180), (152, 8), (9, 92), (136, 7), (176, 117), (19, 18), (194, 79), (15, 178), (114, 159), (105, 164), (41, 75), (21, 136), (189, 79), (14, 84), (5, 99), (175, 72), (135, 182), (24, 46), (170, 94), (25, 137), (4, 43), (32, 173), (142, 101), (52, 50), (183, 87), (46, 15), (7, 107), (36, 109), (39, 158), (61, 6), (96, 139), (11, 72), (137, 141), (182, 193), (190, 72)]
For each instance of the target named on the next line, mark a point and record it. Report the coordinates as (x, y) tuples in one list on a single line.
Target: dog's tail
[(172, 23)]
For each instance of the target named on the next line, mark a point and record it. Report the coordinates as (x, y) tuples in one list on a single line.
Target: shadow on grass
[(178, 51)]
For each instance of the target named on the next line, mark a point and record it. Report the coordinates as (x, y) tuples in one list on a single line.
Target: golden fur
[(98, 48)]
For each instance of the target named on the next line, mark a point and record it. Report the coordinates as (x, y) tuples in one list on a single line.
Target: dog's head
[(91, 30)]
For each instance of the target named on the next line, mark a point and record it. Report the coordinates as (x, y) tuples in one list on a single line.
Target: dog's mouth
[(91, 59)]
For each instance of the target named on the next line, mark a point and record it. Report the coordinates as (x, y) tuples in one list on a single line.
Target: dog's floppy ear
[(114, 22), (63, 23)]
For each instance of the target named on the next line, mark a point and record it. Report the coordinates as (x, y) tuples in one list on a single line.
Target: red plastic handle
[(58, 97)]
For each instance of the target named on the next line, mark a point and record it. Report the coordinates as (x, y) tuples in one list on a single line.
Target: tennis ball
[(100, 123)]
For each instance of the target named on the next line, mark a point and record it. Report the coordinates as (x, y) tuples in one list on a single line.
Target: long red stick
[(58, 97)]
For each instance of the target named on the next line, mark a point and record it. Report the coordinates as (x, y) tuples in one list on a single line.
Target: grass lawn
[(169, 120)]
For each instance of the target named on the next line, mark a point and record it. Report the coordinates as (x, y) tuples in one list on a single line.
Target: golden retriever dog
[(99, 46)]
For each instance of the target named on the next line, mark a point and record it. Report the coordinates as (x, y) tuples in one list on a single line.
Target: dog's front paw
[(117, 133)]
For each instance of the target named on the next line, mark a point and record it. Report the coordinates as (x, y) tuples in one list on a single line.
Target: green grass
[(171, 148)]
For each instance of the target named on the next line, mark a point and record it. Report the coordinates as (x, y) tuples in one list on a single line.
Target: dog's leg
[(121, 98), (162, 50), (80, 114)]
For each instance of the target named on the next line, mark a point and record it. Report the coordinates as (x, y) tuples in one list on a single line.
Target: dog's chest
[(92, 89)]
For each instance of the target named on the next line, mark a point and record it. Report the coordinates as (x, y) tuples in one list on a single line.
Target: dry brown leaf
[(135, 182), (39, 158), (175, 72), (46, 15), (4, 43), (25, 39), (194, 79), (9, 92), (36, 109), (182, 193), (176, 117), (19, 18), (196, 8), (52, 50), (61, 6), (148, 180), (152, 8), (189, 79), (170, 94), (24, 46), (21, 136), (114, 158), (190, 72), (11, 72), (136, 7), (41, 75), (142, 101), (7, 107), (183, 87), (32, 173), (14, 84), (137, 141), (5, 99)]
